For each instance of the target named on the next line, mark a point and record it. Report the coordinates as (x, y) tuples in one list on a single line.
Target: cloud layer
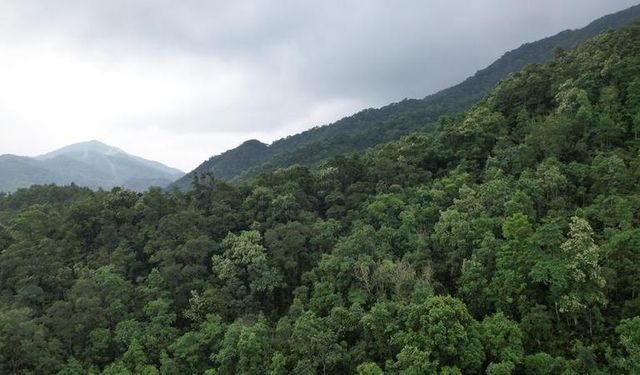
[(180, 81)]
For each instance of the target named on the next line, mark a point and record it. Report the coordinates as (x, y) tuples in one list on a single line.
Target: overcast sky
[(178, 81)]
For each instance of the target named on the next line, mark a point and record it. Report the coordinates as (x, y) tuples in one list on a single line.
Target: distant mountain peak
[(94, 142), (93, 145), (92, 163)]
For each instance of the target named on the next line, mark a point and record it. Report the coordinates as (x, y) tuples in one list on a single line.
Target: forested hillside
[(506, 240), (375, 126)]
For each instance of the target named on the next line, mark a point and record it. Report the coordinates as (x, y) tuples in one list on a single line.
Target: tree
[(314, 344), (442, 327), (244, 269), (629, 340), (72, 367), (245, 349), (413, 361), (502, 341), (369, 368), (24, 346), (584, 278), (287, 244), (514, 258), (193, 348)]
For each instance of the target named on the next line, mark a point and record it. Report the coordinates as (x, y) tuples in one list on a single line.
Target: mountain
[(92, 164), (375, 126)]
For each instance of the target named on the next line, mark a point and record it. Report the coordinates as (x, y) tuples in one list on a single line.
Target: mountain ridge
[(373, 126)]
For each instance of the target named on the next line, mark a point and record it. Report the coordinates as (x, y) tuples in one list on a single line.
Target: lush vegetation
[(376, 126), (504, 241)]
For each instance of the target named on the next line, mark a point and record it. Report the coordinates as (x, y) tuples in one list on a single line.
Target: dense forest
[(506, 240), (375, 126)]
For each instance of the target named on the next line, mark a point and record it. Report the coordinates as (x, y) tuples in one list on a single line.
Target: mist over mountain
[(91, 164)]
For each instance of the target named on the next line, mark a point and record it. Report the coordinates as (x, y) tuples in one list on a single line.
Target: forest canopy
[(505, 240)]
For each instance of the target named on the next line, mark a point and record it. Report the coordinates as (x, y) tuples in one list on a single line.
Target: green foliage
[(629, 336), (442, 327), (503, 241), (502, 339)]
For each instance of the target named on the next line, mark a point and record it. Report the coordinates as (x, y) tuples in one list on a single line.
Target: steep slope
[(92, 164), (374, 126)]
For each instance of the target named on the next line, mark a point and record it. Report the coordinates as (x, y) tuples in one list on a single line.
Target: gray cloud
[(225, 71)]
